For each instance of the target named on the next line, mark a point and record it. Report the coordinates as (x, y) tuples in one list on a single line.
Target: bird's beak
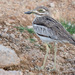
[(30, 12)]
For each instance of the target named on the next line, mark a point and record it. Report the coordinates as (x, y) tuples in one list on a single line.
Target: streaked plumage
[(46, 26), (49, 30)]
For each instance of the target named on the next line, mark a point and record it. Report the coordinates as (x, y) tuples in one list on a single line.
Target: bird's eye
[(40, 10)]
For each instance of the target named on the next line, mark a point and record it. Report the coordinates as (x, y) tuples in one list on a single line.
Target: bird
[(49, 30)]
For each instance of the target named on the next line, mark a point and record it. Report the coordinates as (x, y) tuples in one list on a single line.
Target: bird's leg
[(47, 50), (55, 52)]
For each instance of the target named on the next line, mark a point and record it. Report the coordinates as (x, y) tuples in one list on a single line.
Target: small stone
[(27, 70), (12, 35), (6, 29), (61, 48), (31, 73), (7, 23), (52, 5), (30, 26), (31, 68)]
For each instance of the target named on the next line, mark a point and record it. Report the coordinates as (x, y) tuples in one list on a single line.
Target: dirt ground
[(32, 53)]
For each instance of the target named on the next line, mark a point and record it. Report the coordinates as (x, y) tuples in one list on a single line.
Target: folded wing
[(47, 26)]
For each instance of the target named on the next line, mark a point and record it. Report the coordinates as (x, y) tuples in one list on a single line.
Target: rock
[(3, 72), (8, 57)]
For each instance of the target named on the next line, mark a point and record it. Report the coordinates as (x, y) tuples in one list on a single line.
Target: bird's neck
[(42, 15), (38, 16)]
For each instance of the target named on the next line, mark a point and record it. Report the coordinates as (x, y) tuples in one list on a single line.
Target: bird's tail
[(73, 41)]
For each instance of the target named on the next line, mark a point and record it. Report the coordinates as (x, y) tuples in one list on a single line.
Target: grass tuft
[(69, 27), (32, 40), (30, 30), (21, 29)]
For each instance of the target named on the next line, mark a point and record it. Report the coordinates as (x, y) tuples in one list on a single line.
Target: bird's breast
[(42, 30), (42, 33)]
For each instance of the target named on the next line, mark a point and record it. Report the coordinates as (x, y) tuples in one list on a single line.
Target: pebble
[(52, 4)]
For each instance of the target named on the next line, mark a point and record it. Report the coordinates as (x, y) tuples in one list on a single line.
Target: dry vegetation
[(28, 47)]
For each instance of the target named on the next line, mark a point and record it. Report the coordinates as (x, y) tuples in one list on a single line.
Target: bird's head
[(39, 11)]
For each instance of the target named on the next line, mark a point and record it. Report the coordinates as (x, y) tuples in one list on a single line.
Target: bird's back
[(49, 28)]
